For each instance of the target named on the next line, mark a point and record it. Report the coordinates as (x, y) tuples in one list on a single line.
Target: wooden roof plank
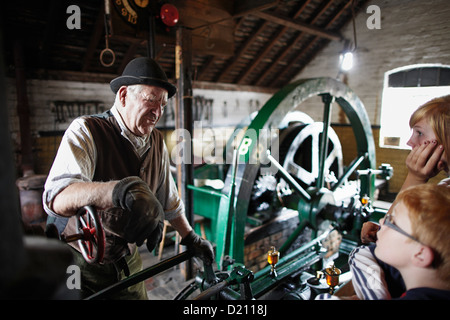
[(289, 66), (291, 23)]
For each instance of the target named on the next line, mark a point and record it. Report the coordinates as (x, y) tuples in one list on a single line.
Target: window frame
[(399, 102)]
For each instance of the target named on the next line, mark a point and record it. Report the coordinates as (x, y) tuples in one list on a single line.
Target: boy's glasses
[(389, 222)]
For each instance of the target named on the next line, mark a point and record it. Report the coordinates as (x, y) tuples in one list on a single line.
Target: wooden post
[(27, 162), (12, 252)]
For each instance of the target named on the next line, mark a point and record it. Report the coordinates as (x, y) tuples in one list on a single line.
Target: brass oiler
[(272, 258), (365, 200), (332, 277)]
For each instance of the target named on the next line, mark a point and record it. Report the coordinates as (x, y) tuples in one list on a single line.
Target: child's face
[(393, 247), (422, 132)]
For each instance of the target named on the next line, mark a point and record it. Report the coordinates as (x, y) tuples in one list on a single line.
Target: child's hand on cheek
[(424, 161)]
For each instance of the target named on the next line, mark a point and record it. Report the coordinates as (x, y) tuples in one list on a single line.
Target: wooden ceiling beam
[(213, 59), (129, 54), (242, 50), (241, 9), (256, 61), (267, 49), (293, 24), (287, 43), (290, 47), (201, 72), (290, 65), (206, 85), (245, 7)]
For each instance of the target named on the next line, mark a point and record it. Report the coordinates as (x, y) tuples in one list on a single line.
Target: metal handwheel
[(90, 236)]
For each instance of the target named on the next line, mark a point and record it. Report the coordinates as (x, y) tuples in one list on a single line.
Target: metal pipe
[(184, 121), (299, 258), (142, 275), (327, 100), (292, 255), (151, 44), (349, 171), (211, 291)]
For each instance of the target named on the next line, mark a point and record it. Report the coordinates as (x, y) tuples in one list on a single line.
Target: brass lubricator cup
[(365, 200), (332, 277), (272, 258)]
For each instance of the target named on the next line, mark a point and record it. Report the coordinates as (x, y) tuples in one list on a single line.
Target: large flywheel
[(259, 154), (299, 153)]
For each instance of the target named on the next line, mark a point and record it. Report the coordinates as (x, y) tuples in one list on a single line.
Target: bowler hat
[(143, 70)]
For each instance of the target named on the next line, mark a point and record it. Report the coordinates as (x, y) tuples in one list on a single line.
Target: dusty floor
[(167, 284)]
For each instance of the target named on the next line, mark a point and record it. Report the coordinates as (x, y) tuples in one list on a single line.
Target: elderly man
[(118, 162)]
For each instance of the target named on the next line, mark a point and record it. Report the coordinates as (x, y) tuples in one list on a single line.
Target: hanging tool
[(108, 32)]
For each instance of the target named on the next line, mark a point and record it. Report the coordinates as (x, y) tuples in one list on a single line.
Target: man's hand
[(201, 248), (145, 212), (369, 232)]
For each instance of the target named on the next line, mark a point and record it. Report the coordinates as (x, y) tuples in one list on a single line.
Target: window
[(405, 89)]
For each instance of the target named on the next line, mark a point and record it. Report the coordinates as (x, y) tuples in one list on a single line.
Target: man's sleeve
[(167, 192), (74, 162)]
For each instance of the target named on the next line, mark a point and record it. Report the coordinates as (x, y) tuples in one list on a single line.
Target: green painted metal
[(300, 258), (206, 204), (243, 175), (228, 209), (226, 220)]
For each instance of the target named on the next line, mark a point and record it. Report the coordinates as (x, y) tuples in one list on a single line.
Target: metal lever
[(142, 275), (240, 276), (288, 177)]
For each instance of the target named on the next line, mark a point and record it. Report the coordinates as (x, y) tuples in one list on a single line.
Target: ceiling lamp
[(346, 61), (346, 56)]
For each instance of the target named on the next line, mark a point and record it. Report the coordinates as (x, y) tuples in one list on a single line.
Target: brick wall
[(412, 32), (47, 119), (54, 104), (46, 148)]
